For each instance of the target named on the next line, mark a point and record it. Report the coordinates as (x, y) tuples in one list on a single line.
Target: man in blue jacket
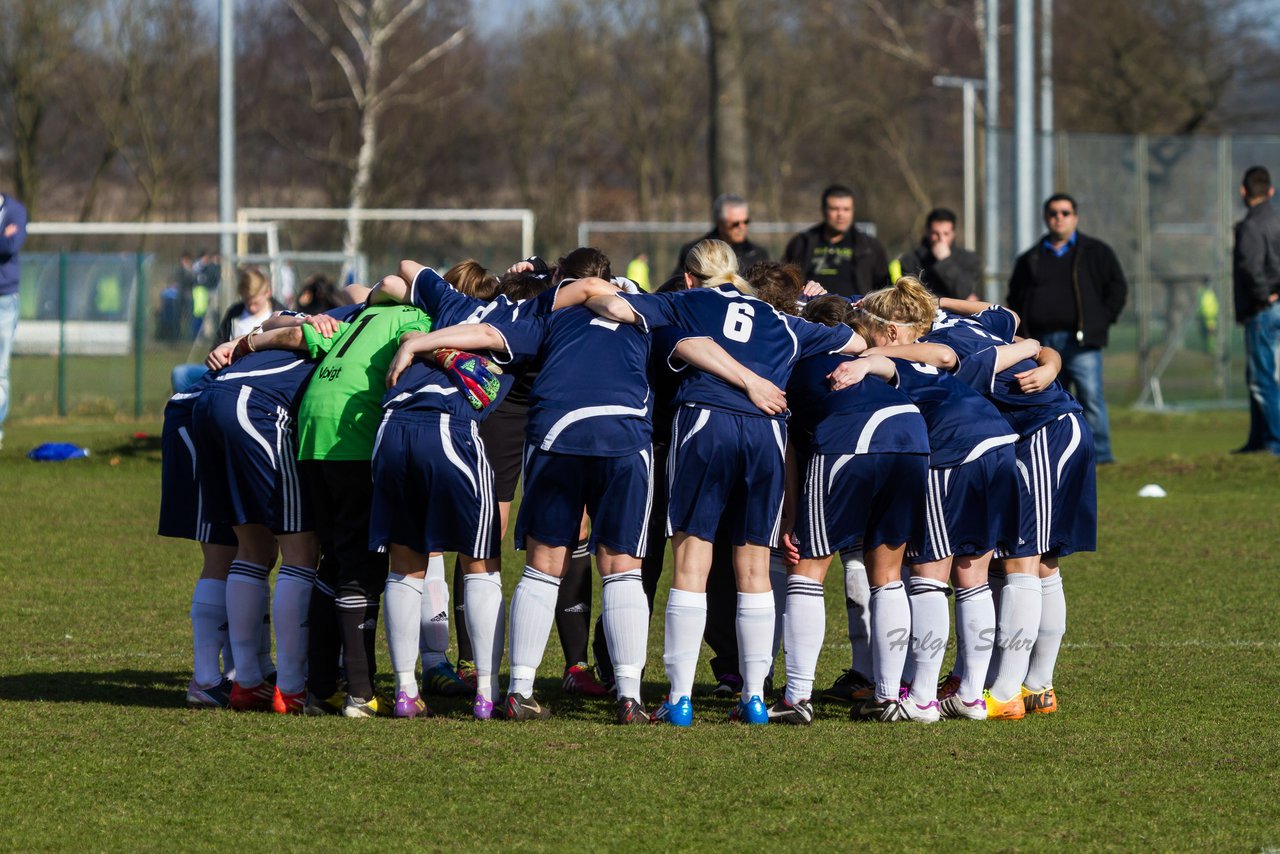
[(13, 231)]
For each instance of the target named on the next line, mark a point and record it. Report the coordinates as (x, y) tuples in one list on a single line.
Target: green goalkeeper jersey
[(342, 408)]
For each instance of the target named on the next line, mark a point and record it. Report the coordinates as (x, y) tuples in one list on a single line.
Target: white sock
[(975, 639), (1053, 625), (433, 641), (247, 594), (930, 628), (686, 621), (291, 606), (996, 582), (890, 637), (482, 609), (857, 604), (533, 609), (208, 630), (1019, 623), (402, 613), (778, 584), (805, 630), (625, 611), (755, 620)]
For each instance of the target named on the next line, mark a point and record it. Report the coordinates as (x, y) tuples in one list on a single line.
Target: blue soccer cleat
[(679, 713), (751, 711)]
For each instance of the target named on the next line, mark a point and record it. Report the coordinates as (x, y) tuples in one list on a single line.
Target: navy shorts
[(503, 435), (875, 499), (726, 466), (181, 513), (1059, 490), (616, 492), (971, 509), (249, 461), (433, 487)]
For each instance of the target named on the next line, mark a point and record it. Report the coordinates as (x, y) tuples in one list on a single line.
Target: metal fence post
[(139, 331), (1143, 278), (62, 334), (1226, 299)]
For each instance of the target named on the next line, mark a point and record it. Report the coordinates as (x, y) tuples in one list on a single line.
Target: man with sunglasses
[(1069, 289), (732, 219)]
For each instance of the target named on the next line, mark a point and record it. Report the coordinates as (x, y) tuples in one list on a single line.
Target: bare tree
[(728, 137), (360, 50)]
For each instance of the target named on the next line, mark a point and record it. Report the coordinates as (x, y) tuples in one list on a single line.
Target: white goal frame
[(523, 216)]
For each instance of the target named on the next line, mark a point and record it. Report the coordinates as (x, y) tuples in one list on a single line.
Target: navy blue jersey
[(974, 340), (870, 417), (280, 375), (591, 395), (963, 425), (759, 336)]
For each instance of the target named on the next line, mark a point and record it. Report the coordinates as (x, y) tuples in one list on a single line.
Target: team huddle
[(761, 429)]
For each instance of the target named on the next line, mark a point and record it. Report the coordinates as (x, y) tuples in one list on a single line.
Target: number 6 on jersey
[(737, 321)]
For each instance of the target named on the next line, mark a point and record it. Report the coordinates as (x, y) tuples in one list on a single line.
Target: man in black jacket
[(1256, 283), (732, 218), (944, 268), (1068, 289), (835, 254)]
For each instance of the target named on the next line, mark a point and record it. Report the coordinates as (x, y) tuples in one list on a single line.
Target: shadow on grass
[(138, 446), (146, 688)]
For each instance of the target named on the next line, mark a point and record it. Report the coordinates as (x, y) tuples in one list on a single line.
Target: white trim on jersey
[(586, 412), (841, 461), (291, 488), (881, 415), (191, 448), (184, 395), (935, 518), (814, 486), (671, 467), (486, 496), (988, 445), (265, 372), (377, 440), (430, 388), (242, 416)]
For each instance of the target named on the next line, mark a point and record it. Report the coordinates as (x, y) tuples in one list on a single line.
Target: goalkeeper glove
[(475, 376)]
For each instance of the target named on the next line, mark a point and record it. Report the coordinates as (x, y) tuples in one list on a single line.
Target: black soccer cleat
[(631, 712), (521, 708), (800, 714)]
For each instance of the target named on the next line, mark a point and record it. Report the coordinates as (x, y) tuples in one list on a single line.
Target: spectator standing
[(945, 269), (835, 254), (1256, 282), (1069, 289), (732, 217), (13, 232)]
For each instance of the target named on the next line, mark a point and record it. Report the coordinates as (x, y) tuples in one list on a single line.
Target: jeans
[(1262, 373), (1082, 375), (185, 376), (8, 328)]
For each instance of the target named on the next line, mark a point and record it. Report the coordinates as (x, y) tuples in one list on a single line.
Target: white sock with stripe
[(930, 628), (754, 622), (857, 604), (482, 608), (433, 641), (806, 628), (686, 622), (1053, 625), (975, 639), (402, 607), (1019, 623), (625, 611), (533, 609), (247, 594), (290, 607), (890, 637), (208, 630)]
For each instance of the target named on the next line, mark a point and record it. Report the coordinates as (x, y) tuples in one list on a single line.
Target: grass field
[(1167, 737)]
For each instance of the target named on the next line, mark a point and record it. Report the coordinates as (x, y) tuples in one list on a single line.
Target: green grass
[(1166, 738)]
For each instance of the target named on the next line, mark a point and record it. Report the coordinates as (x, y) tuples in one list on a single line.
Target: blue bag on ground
[(56, 452)]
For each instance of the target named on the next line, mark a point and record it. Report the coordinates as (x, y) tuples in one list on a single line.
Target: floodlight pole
[(1047, 176), (227, 130), (1024, 167), (991, 141), (968, 86)]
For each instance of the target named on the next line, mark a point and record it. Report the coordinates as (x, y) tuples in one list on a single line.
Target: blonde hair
[(907, 303), (252, 283), (712, 263), (469, 278)]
